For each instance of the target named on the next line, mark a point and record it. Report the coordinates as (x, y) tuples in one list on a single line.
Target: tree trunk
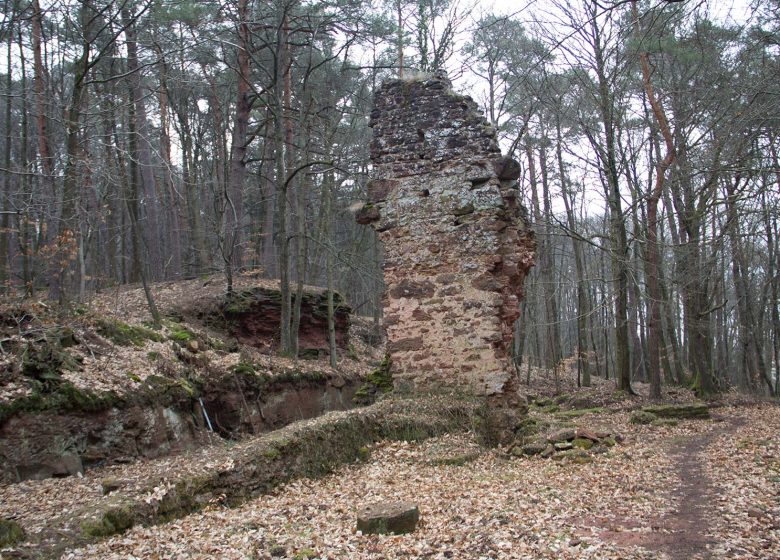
[(238, 145), (583, 305), (140, 156)]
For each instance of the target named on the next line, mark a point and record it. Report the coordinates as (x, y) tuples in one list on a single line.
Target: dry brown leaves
[(489, 508)]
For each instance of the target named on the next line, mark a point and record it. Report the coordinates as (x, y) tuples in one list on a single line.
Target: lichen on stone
[(456, 242)]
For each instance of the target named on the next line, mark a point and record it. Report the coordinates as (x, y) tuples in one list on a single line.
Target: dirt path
[(682, 533)]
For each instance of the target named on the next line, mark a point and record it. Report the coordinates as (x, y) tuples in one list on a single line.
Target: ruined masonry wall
[(457, 246)]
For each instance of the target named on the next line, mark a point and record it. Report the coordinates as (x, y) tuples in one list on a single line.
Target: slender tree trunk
[(5, 264), (583, 305), (174, 230), (284, 161), (238, 145), (652, 265), (140, 156), (746, 313), (548, 265), (617, 227), (63, 271), (547, 357), (329, 249), (25, 245)]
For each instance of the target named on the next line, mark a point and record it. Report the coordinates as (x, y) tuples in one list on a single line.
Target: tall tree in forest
[(140, 157), (652, 251), (234, 197)]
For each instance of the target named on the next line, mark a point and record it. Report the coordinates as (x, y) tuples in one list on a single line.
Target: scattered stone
[(691, 410), (562, 445), (388, 517), (581, 402), (587, 434), (576, 413), (112, 484), (577, 456), (642, 417), (531, 449), (193, 346), (527, 427), (10, 532), (609, 441), (662, 422), (756, 513), (565, 434), (548, 452), (50, 465), (582, 443)]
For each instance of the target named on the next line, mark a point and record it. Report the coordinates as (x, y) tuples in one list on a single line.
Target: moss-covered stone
[(10, 532), (579, 412), (531, 449), (244, 368), (609, 441), (642, 417), (63, 397), (44, 359), (666, 422), (527, 427), (689, 410), (582, 443), (181, 335), (112, 522), (576, 456), (377, 382), (126, 335)]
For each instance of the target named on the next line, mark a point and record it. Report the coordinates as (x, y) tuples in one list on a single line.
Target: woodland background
[(148, 141)]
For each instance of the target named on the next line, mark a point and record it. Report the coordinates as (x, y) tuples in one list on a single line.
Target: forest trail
[(682, 533)]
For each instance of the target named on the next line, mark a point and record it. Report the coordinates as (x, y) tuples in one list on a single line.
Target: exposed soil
[(684, 532)]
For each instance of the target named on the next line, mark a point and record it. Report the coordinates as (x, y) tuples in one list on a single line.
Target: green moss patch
[(64, 397), (579, 412), (690, 410), (10, 532), (377, 382), (181, 335), (126, 335), (112, 522)]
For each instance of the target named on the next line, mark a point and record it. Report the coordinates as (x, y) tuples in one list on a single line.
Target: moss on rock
[(63, 397), (112, 522), (10, 532), (689, 410), (642, 417), (377, 382), (126, 335)]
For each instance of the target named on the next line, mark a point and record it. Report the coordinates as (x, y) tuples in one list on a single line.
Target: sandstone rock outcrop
[(457, 246)]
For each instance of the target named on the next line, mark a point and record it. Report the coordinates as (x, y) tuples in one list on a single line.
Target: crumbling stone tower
[(457, 245)]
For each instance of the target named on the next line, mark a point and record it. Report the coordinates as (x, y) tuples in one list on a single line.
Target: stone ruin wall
[(457, 245)]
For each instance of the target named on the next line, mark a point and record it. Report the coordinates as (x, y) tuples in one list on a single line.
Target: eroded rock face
[(457, 245), (253, 315)]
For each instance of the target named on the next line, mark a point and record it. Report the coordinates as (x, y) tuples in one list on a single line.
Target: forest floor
[(698, 489), (701, 489)]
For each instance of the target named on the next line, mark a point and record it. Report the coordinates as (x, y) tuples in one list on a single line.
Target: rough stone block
[(388, 517)]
